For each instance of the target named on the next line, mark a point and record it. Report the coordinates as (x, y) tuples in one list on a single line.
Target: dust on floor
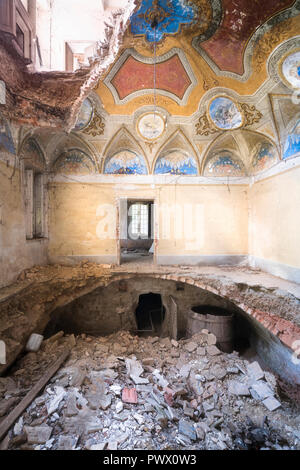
[(128, 392)]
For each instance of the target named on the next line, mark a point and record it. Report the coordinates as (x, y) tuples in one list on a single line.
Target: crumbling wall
[(112, 308), (54, 98), (16, 253), (26, 307)]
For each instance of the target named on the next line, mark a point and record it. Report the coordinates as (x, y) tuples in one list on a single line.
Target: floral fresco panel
[(176, 163), (224, 165), (74, 162), (264, 157), (125, 162)]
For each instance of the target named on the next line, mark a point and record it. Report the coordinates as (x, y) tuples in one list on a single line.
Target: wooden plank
[(7, 422)]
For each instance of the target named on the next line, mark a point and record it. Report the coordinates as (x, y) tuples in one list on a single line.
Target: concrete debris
[(34, 342), (201, 399), (186, 428), (255, 371), (213, 350), (38, 434), (190, 346), (238, 388), (271, 403), (260, 390), (134, 370), (52, 405)]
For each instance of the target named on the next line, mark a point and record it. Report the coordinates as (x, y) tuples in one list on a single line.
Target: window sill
[(41, 239)]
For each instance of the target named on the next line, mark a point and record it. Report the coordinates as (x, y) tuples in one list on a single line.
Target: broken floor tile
[(261, 390), (187, 429), (271, 403), (129, 395), (67, 442), (238, 388), (119, 407), (38, 434), (255, 371), (134, 370), (99, 446), (53, 403), (71, 408)]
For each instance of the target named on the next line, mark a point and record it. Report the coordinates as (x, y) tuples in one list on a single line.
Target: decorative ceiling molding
[(285, 114), (276, 57), (170, 55), (176, 141), (249, 115), (96, 126), (123, 140), (281, 31), (172, 16)]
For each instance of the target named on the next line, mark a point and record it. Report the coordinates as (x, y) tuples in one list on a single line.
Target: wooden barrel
[(214, 319)]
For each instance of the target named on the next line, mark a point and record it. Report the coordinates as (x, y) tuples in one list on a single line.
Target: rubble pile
[(130, 392)]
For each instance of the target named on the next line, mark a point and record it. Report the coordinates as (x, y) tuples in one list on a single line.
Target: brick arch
[(285, 330)]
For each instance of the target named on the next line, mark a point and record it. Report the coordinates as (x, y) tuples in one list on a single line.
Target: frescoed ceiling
[(241, 18), (225, 43), (224, 74)]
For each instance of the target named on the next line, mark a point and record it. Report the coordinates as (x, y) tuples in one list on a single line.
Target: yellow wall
[(274, 222), (81, 213), (16, 253)]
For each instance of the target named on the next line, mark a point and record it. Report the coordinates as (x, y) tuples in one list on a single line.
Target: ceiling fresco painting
[(224, 74), (224, 164), (290, 69), (32, 155), (125, 162), (225, 44), (169, 15), (137, 74), (292, 144), (225, 113), (241, 18), (75, 162), (151, 126), (85, 115), (176, 163), (265, 156)]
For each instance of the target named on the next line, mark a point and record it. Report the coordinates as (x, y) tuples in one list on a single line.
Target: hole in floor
[(150, 314)]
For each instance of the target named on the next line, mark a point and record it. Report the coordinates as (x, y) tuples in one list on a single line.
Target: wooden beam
[(7, 422)]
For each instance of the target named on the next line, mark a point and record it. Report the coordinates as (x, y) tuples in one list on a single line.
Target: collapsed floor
[(129, 392)]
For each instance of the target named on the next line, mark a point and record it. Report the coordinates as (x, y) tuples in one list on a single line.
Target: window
[(34, 202), (139, 223)]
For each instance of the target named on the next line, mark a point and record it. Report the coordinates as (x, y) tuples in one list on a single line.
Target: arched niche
[(224, 163), (32, 155), (125, 162), (75, 162), (176, 162), (264, 156)]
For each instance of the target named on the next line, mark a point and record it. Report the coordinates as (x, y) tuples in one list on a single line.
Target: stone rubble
[(129, 392)]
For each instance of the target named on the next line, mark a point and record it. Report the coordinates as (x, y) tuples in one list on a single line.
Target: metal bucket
[(214, 319)]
